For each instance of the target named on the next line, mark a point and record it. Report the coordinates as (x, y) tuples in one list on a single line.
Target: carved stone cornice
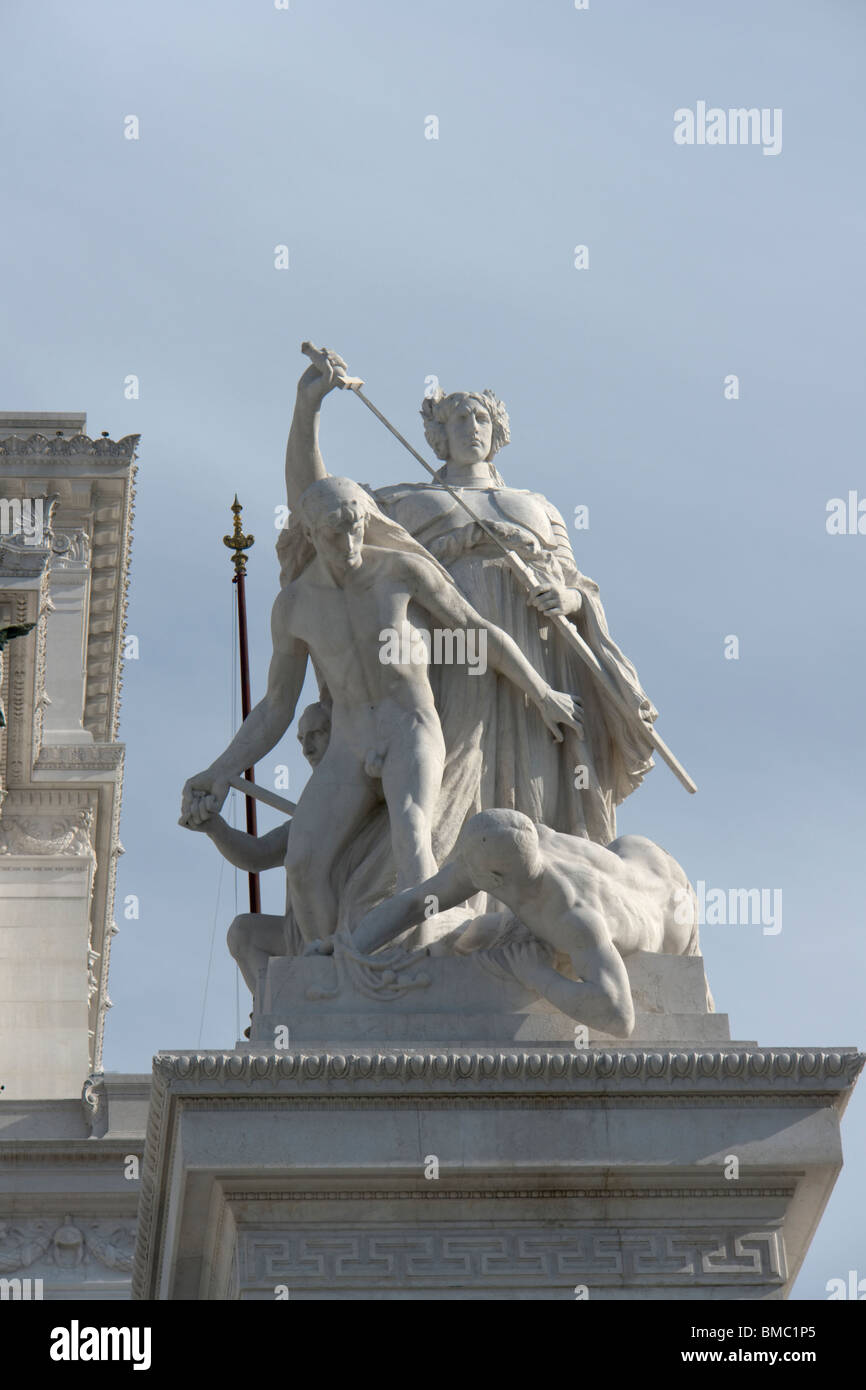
[(573, 1193), (57, 801), (578, 1071), (110, 542), (79, 446), (81, 757)]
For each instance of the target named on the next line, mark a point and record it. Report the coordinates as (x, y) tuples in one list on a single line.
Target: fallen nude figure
[(590, 904)]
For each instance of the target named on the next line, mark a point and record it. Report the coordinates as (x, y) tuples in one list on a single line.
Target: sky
[(307, 128)]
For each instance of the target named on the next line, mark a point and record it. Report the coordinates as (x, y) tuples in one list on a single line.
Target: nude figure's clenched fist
[(203, 796)]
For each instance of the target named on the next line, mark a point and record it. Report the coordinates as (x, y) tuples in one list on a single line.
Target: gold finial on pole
[(238, 542)]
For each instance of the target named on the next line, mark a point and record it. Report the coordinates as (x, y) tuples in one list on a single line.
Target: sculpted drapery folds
[(498, 752), (524, 730), (498, 756)]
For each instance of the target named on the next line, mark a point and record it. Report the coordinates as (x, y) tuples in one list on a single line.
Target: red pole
[(240, 543), (255, 897)]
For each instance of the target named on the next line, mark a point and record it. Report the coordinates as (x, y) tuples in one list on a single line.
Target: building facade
[(66, 1209)]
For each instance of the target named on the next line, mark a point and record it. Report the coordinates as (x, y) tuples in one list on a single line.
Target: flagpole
[(240, 544)]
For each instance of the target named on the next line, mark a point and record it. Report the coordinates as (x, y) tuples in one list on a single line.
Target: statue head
[(333, 521), (334, 514), (466, 427), (498, 846), (314, 732)]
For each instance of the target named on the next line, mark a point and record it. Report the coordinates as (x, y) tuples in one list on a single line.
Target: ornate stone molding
[(26, 870), (40, 695), (474, 1253), (27, 1241), (584, 1069), (432, 1193), (18, 560), (71, 549), (22, 694), (101, 942), (94, 1103), (75, 757), (64, 800), (47, 835), (351, 1081), (79, 446), (110, 552)]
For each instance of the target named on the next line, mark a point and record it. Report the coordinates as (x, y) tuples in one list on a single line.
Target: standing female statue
[(499, 754)]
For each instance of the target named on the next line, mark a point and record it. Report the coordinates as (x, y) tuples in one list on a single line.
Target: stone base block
[(455, 1000), (487, 1173)]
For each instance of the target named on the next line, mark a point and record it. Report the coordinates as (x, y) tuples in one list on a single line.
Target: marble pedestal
[(452, 1000), (497, 1170)]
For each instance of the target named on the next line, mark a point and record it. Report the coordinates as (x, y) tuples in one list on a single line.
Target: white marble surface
[(314, 1000), (310, 1175)]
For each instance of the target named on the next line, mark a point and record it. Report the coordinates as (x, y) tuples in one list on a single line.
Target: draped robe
[(499, 753)]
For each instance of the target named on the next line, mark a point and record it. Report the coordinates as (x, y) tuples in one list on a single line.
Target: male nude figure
[(386, 740), (254, 937), (587, 902)]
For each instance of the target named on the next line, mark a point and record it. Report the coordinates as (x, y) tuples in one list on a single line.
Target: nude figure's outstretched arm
[(449, 887), (252, 853), (263, 727), (445, 603)]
